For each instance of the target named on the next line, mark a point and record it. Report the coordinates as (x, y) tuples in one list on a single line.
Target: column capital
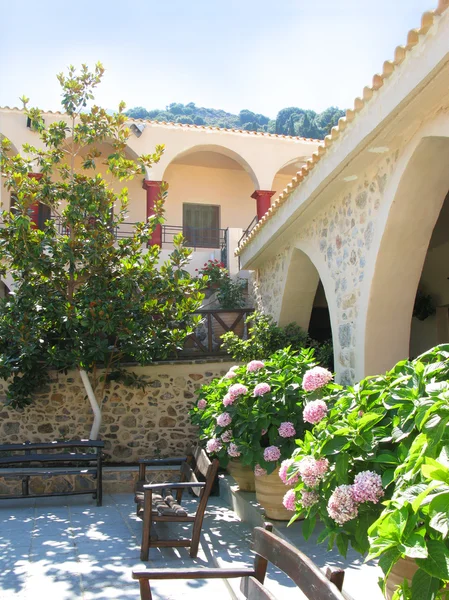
[(37, 176), (148, 184), (263, 201), (262, 194)]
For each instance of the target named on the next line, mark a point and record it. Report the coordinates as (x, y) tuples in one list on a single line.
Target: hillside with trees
[(289, 121)]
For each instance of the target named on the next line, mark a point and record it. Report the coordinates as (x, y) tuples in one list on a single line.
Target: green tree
[(82, 299), (138, 112)]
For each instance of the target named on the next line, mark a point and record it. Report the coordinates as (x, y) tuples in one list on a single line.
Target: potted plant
[(371, 467), (252, 414), (214, 271), (230, 296)]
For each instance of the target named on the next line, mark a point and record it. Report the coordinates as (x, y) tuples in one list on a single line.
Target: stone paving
[(67, 548)]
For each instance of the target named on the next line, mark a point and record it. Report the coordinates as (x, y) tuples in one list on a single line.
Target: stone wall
[(339, 237), (136, 423)]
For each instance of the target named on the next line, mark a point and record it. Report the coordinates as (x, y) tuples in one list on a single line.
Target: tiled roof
[(413, 38), (191, 126)]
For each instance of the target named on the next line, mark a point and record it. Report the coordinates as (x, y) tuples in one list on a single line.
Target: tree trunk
[(94, 404)]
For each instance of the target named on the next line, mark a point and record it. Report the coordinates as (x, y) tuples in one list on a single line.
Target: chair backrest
[(199, 467), (301, 570)]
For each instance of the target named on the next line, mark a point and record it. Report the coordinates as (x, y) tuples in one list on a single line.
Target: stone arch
[(413, 201), (304, 274), (217, 149)]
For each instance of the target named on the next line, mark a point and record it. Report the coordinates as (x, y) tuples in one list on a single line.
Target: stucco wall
[(136, 423), (228, 188)]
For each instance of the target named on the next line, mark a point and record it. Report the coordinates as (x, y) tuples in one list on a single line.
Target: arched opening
[(304, 300), (209, 200), (286, 173), (430, 320), (401, 256)]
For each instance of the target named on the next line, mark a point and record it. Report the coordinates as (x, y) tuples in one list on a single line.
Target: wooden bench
[(268, 548), (75, 457), (156, 502)]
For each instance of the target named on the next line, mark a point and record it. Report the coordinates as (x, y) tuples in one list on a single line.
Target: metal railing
[(248, 230), (195, 237)]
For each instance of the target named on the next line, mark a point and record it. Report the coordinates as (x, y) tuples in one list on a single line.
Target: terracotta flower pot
[(270, 491), (405, 568), (243, 475)]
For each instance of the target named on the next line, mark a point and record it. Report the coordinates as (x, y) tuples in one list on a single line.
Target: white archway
[(217, 149), (304, 272), (412, 204)]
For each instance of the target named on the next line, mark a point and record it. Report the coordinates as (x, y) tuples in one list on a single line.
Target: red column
[(263, 201), (153, 189), (34, 208)]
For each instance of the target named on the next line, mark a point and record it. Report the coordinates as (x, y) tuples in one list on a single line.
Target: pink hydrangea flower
[(213, 445), (230, 375), (226, 436), (261, 389), (228, 399), (286, 429), (341, 506), (314, 411), (367, 487), (233, 450), (272, 453), (308, 499), (202, 404), (289, 500), (237, 390), (259, 471), (224, 419), (316, 378), (254, 366), (283, 472), (234, 368), (312, 470)]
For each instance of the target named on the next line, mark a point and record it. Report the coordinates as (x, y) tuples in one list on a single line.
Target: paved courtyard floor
[(68, 548)]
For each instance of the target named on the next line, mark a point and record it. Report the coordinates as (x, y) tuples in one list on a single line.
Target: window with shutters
[(201, 225)]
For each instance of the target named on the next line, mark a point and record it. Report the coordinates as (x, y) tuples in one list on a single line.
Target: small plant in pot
[(215, 271), (254, 413)]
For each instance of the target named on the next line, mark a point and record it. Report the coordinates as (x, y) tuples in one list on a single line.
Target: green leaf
[(334, 445), (308, 526), (439, 514), (379, 546), (437, 562), (342, 543), (415, 546), (341, 468), (424, 586), (435, 470)]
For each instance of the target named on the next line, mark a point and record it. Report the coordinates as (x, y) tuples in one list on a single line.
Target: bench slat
[(47, 445), (27, 458), (43, 471)]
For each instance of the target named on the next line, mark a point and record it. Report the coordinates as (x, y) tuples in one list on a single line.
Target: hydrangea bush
[(374, 470), (254, 412)]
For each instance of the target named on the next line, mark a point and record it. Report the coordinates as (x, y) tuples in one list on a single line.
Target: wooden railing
[(205, 341)]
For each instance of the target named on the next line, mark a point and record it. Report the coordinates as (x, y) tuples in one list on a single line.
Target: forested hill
[(289, 121)]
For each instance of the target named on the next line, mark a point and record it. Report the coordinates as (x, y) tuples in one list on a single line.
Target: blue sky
[(230, 54)]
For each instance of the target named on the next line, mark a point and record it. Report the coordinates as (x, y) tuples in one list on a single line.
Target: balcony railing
[(196, 238)]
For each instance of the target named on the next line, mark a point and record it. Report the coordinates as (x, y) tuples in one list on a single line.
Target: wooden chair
[(155, 502), (268, 549)]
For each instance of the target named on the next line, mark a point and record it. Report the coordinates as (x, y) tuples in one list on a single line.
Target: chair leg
[(146, 529), (145, 590)]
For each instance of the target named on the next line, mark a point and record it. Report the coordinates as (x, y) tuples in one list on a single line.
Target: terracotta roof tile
[(191, 126), (389, 66)]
